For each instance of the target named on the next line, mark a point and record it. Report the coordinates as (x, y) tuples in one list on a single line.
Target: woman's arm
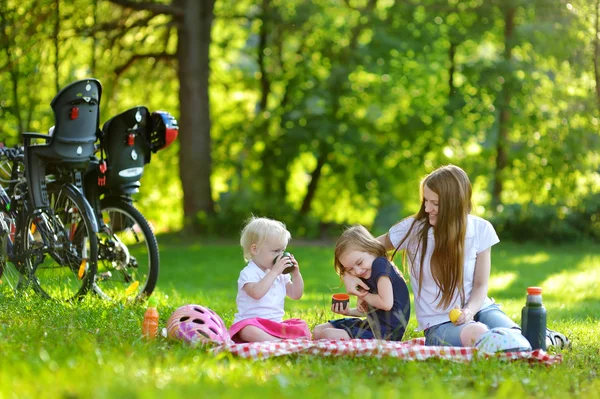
[(385, 240), (480, 286), (384, 299)]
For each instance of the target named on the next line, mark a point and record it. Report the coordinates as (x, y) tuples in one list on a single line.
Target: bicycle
[(38, 245), (49, 236), (128, 257), (11, 275)]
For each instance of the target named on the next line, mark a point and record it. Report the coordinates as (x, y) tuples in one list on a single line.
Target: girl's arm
[(384, 299), (354, 312), (295, 288), (354, 285), (480, 286), (258, 290)]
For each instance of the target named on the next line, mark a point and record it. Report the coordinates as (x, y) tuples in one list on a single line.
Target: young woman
[(448, 253)]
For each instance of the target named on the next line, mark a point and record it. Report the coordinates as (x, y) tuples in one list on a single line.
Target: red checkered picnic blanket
[(413, 349)]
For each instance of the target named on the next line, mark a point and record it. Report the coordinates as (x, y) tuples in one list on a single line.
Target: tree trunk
[(336, 81), (597, 53), (314, 180), (262, 123), (57, 46), (194, 22), (265, 84), (504, 108), (194, 122), (451, 57), (14, 74), (94, 40)]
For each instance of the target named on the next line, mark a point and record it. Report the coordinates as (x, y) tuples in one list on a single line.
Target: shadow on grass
[(567, 274)]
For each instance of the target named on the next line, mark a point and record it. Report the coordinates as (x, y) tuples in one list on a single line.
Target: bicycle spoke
[(128, 254), (64, 250), (13, 275)]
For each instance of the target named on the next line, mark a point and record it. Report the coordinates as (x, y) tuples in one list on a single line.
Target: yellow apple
[(454, 315)]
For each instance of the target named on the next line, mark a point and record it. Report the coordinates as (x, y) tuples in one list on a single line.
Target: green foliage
[(160, 193), (234, 210), (327, 112), (546, 223), (94, 348), (379, 112)]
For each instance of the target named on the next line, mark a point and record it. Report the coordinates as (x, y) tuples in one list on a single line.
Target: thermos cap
[(534, 290)]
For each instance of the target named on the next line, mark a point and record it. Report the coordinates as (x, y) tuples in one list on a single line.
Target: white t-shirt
[(480, 236), (270, 306)]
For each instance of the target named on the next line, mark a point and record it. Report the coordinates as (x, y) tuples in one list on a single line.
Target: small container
[(533, 319), (344, 299), (288, 269), (150, 324)]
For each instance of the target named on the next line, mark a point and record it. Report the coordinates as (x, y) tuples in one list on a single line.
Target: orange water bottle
[(150, 324)]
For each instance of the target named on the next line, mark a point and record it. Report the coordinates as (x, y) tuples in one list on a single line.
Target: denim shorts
[(447, 334), (355, 327)]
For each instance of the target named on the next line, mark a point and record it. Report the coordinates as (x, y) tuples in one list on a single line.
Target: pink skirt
[(291, 328)]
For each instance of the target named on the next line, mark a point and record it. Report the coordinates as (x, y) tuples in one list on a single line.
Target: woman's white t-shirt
[(480, 236), (270, 306)]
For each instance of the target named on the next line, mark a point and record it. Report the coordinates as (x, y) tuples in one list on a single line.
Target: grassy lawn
[(94, 349)]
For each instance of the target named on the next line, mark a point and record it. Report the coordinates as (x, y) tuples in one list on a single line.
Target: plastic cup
[(344, 299), (288, 269)]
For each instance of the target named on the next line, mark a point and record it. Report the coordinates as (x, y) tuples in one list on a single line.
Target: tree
[(193, 20), (24, 69), (597, 51), (504, 110)]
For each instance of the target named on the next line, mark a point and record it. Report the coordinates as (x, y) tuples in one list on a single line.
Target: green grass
[(94, 349)]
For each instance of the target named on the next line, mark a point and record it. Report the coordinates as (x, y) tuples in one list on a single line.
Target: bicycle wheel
[(128, 258), (61, 246), (12, 273)]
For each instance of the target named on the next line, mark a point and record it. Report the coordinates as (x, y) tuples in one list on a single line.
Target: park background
[(323, 114)]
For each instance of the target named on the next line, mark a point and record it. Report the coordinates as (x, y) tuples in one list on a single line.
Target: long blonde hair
[(356, 238), (453, 187)]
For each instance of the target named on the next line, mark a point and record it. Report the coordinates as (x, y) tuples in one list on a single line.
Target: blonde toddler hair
[(258, 230)]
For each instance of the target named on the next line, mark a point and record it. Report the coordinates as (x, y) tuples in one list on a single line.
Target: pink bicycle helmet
[(195, 323)]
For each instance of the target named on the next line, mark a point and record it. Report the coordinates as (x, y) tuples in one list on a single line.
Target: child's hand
[(339, 309), (466, 316), (280, 264), (355, 286), (362, 306), (295, 264)]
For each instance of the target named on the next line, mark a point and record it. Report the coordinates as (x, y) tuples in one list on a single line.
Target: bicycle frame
[(45, 229), (16, 207)]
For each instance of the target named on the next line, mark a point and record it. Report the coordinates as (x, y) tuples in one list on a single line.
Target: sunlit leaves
[(382, 94)]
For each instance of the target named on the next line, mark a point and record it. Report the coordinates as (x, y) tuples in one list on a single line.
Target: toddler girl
[(262, 287)]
